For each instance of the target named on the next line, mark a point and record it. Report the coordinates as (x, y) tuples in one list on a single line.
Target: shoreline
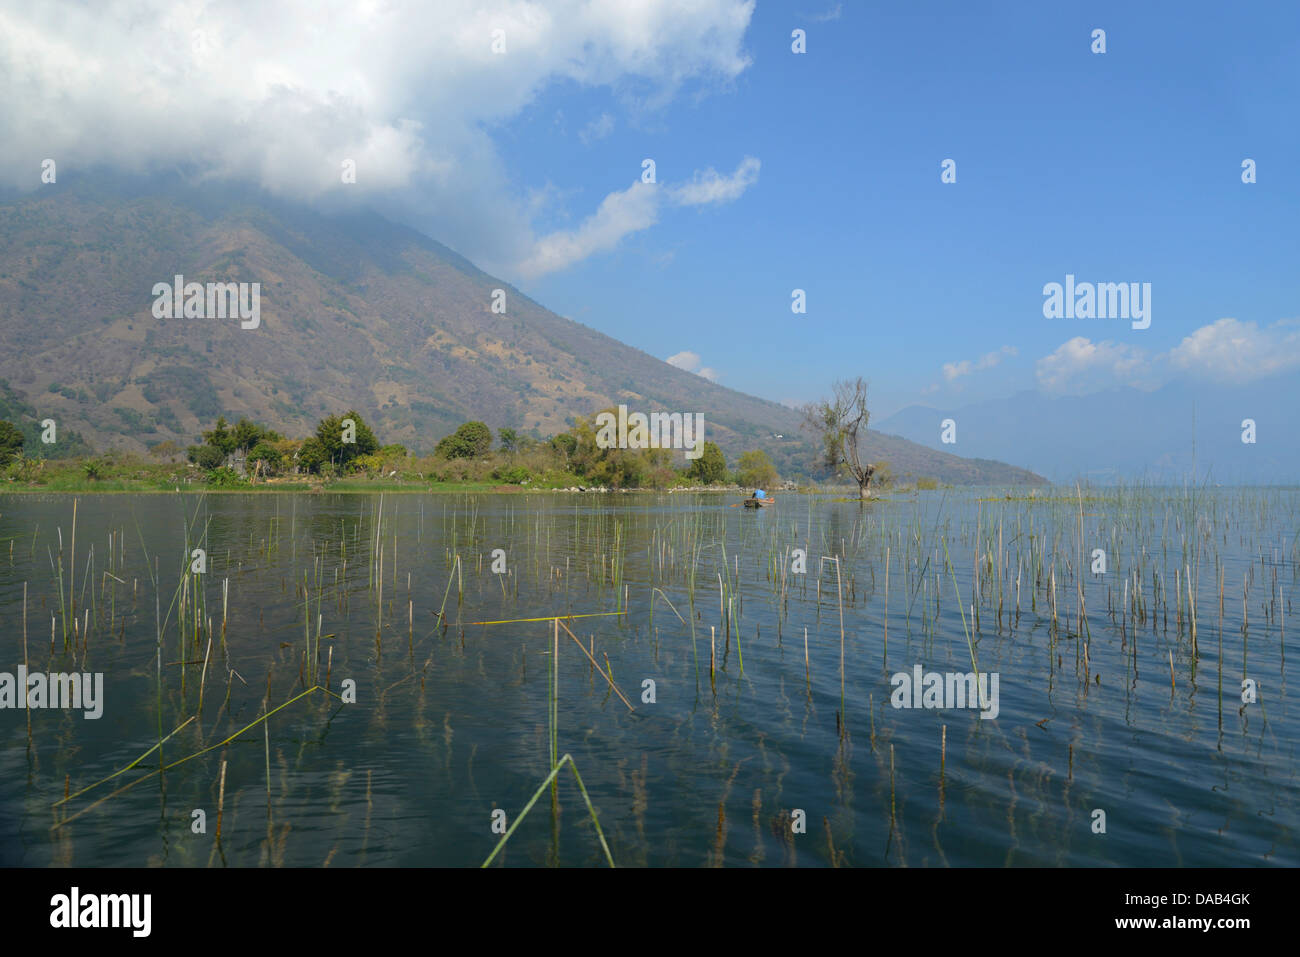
[(355, 489)]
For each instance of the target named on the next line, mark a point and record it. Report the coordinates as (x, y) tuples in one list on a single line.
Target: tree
[(710, 467), (509, 440), (221, 437), (164, 450), (332, 448), (247, 434), (206, 456), (611, 466), (755, 469), (470, 441), (264, 458), (312, 455), (11, 442), (566, 443), (841, 423)]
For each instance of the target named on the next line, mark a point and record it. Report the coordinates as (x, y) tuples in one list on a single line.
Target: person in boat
[(759, 494)]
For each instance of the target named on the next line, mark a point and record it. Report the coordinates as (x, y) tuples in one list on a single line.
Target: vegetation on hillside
[(344, 449)]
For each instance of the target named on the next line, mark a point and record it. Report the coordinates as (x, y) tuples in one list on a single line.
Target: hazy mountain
[(1127, 433), (356, 312)]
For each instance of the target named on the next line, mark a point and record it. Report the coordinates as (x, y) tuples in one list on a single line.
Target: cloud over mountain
[(1233, 351), (630, 211), (690, 362), (281, 95)]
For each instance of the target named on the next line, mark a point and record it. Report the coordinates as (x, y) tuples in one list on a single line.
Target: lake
[(730, 699)]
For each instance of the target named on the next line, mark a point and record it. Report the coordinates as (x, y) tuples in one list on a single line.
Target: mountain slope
[(356, 311)]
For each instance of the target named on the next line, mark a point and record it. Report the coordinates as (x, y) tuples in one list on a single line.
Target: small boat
[(758, 502)]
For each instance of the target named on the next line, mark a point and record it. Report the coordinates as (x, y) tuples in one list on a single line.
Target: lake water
[(777, 760)]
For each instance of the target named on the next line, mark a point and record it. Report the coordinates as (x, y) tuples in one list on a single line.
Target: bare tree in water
[(841, 422)]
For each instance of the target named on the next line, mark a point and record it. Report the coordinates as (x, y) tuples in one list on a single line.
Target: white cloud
[(632, 210), (955, 370), (281, 94), (1226, 351), (708, 187), (597, 129), (619, 214), (690, 362), (1080, 366), (1239, 352), (832, 14), (684, 360)]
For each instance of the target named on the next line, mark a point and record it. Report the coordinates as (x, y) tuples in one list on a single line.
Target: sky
[(516, 133)]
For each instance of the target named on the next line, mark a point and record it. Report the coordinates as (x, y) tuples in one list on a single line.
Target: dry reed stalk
[(603, 674), (713, 650), (892, 807), (28, 710), (807, 668), (221, 798), (72, 569)]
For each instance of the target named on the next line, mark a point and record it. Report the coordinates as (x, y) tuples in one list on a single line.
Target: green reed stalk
[(550, 779)]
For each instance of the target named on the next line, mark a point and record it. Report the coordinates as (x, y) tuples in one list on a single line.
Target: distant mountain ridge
[(356, 312), (1173, 434)]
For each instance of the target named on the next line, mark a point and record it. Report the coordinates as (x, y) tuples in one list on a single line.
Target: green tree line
[(345, 445)]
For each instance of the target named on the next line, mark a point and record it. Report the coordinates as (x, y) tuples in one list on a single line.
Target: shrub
[(206, 456), (11, 442), (515, 475), (225, 478), (755, 470)]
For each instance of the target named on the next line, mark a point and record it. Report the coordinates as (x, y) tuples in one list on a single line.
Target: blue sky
[(1122, 166), (775, 170)]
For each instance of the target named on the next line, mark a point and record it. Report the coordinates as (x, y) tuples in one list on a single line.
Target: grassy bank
[(132, 473), (120, 472)]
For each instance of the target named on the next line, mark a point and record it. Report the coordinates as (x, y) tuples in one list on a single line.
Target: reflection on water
[(1118, 691)]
